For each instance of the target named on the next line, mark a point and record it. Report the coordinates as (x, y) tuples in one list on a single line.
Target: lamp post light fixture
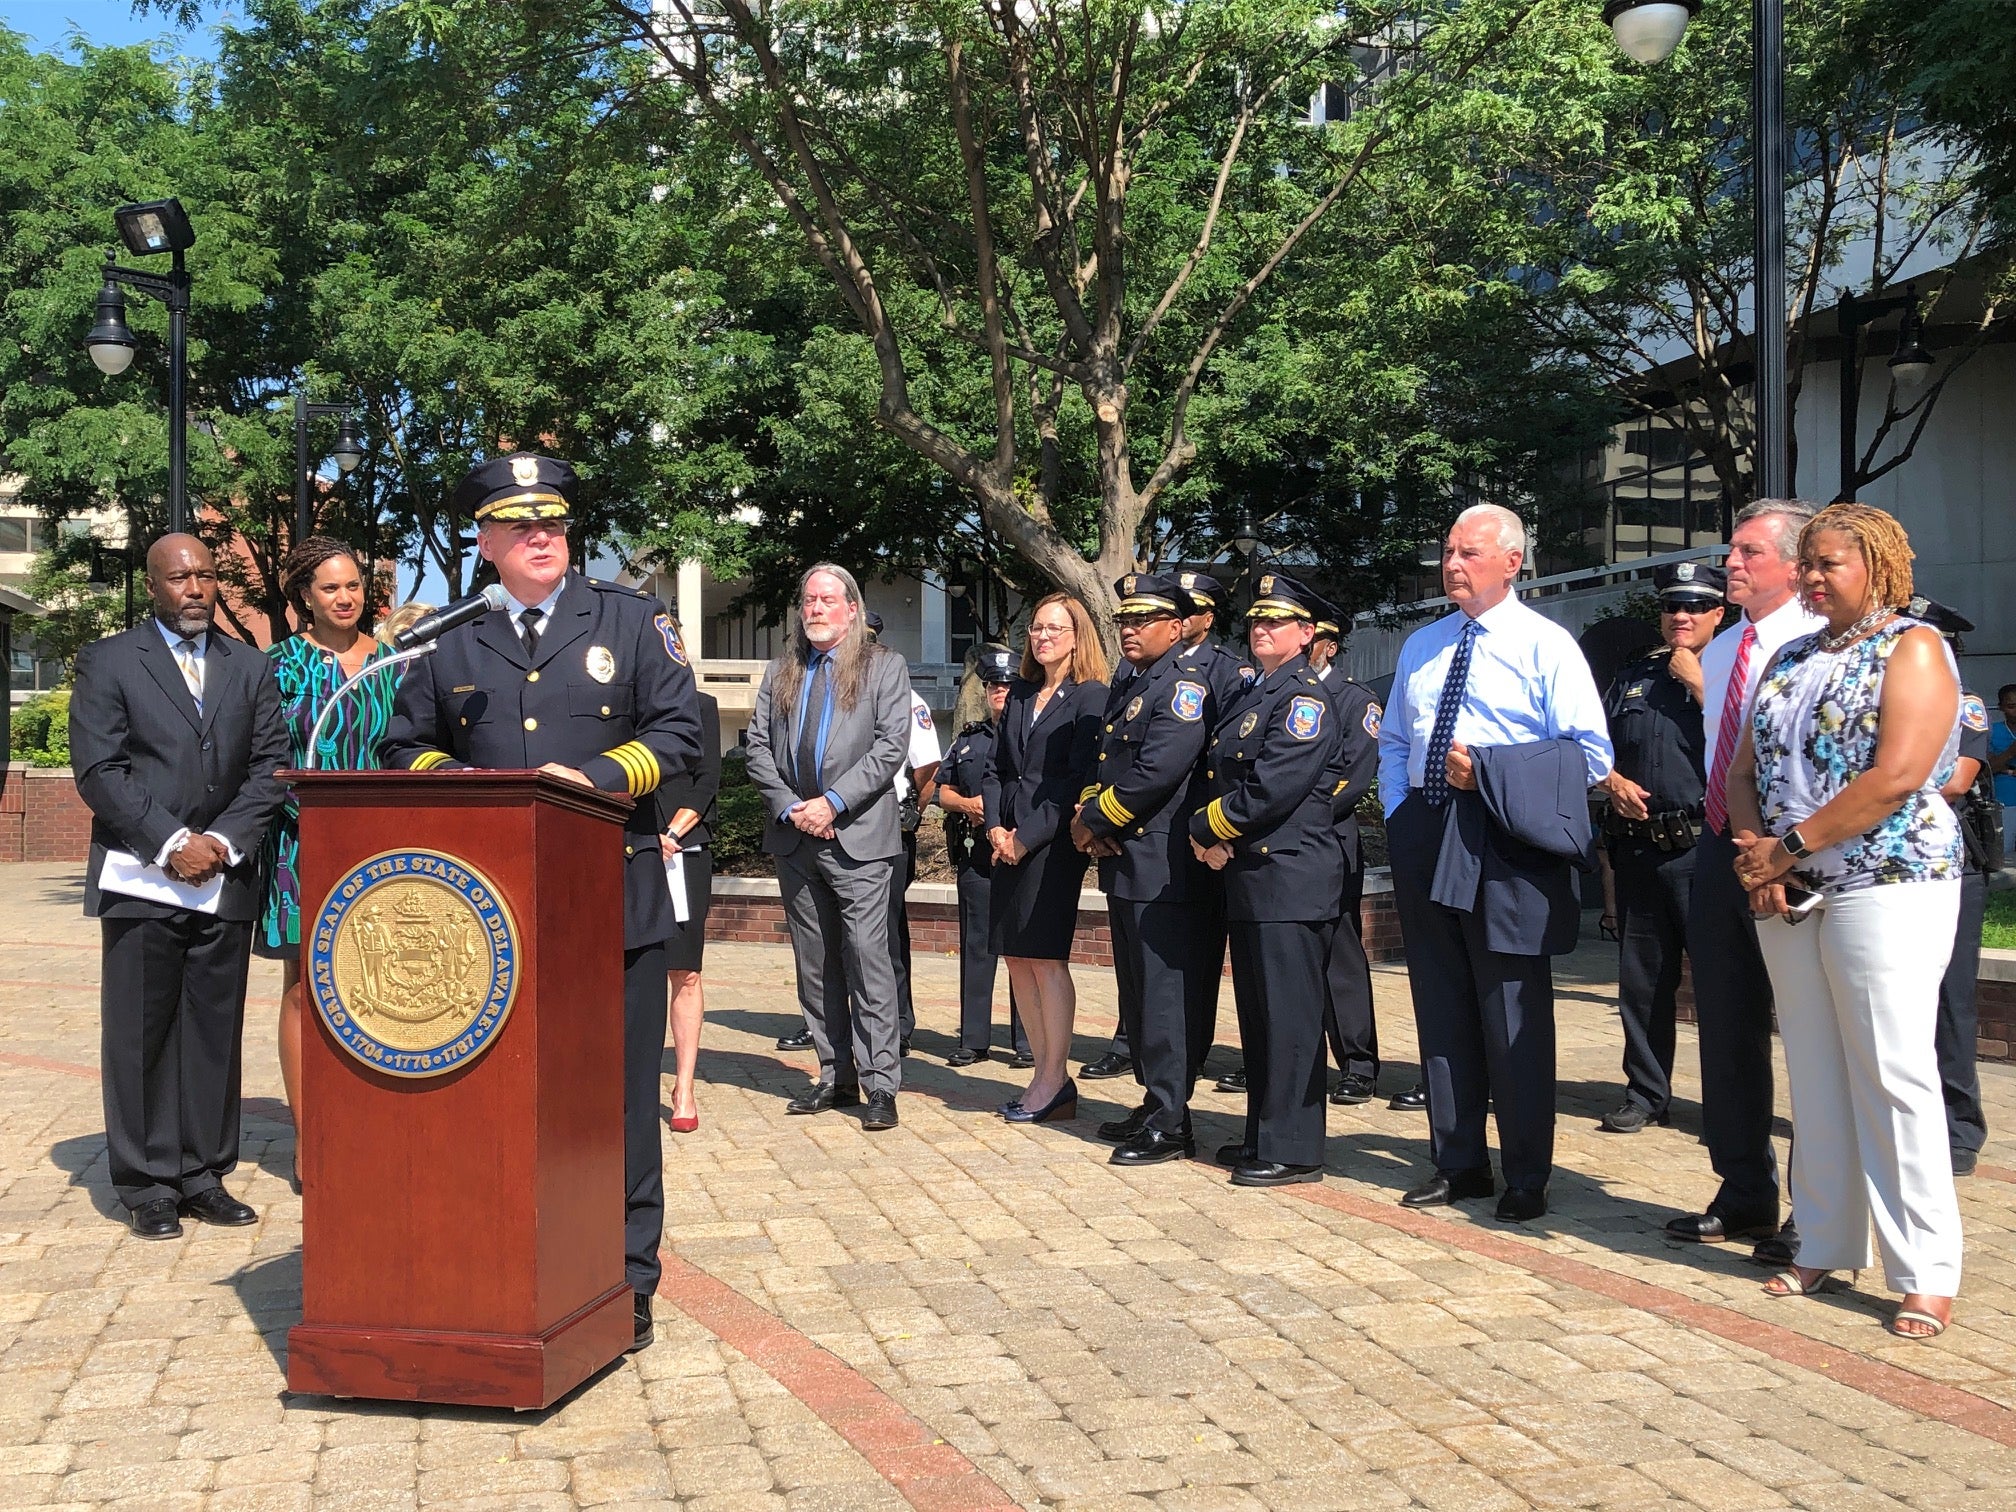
[(1246, 540), (158, 226), (1649, 30), (106, 561), (347, 453), (1911, 365)]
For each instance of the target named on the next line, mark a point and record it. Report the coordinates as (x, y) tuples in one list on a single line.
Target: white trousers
[(1857, 984)]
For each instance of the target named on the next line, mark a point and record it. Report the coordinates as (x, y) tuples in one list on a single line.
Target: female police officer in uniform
[(589, 681)]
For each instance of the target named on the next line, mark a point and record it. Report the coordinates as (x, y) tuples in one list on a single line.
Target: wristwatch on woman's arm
[(1795, 844)]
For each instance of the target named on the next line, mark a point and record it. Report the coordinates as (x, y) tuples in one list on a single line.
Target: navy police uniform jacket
[(1221, 671), (1655, 726), (1270, 771), (608, 691), (1144, 785), (1358, 715), (962, 770)]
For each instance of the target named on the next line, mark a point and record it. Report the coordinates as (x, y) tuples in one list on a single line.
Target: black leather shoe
[(802, 1040), (155, 1220), (1236, 1155), (1964, 1162), (1232, 1081), (1266, 1173), (215, 1205), (1445, 1187), (1106, 1066), (1628, 1118), (1120, 1130), (1781, 1249), (881, 1112), (641, 1333), (903, 1048), (1152, 1147), (820, 1097), (1023, 1060), (1714, 1228), (1522, 1204), (964, 1057), (1413, 1100), (1351, 1090)]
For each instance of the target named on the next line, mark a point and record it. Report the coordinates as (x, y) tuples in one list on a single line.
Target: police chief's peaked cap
[(1279, 596), (1947, 621), (995, 664), (1326, 629), (1207, 590), (522, 486), (1154, 593), (1690, 582)]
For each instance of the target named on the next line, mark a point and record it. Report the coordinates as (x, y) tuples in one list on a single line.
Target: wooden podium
[(462, 1217)]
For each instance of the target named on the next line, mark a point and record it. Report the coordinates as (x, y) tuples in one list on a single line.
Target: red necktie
[(1717, 804)]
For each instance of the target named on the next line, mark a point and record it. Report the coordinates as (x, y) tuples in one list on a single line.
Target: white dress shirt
[(513, 608), (1528, 681), (1787, 622)]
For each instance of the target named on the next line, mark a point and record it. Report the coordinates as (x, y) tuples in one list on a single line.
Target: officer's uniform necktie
[(807, 760), (1435, 780), (529, 618), (192, 670)]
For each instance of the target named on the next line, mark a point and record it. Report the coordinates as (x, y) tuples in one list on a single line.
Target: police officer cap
[(1326, 629), (874, 623), (1941, 618), (1154, 593), (522, 486), (1205, 589), (995, 664), (1279, 596), (1696, 584)]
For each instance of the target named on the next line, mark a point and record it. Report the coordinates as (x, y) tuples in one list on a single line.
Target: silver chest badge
[(601, 663)]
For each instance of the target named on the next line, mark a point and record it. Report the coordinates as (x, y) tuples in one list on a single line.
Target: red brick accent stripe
[(1888, 1383), (925, 1470), (61, 1068)]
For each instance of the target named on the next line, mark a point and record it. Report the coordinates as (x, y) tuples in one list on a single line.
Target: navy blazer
[(1038, 770), (1511, 848)]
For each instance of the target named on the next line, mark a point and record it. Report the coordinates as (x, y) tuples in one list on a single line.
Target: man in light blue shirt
[(1492, 673)]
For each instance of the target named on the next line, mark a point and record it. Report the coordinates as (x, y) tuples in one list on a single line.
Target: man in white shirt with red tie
[(1732, 992)]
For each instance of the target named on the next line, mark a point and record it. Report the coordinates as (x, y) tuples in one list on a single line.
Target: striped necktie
[(192, 670), (1435, 780), (1715, 807)]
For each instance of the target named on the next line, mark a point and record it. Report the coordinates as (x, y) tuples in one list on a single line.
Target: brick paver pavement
[(964, 1314)]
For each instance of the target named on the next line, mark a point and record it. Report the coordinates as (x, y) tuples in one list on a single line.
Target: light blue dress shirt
[(1528, 682)]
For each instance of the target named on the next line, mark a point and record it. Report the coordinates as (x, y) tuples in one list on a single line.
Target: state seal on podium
[(413, 963)]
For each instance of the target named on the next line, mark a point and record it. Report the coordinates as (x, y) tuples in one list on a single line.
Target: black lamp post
[(158, 226), (1648, 31), (348, 452), (1249, 546), (1909, 367), (107, 560)]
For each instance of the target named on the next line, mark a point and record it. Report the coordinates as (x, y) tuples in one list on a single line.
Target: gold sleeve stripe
[(1214, 815), (627, 760), (426, 761), (1087, 795), (1115, 811), (641, 772)]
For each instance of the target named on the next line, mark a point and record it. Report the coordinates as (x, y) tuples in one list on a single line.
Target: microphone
[(441, 621)]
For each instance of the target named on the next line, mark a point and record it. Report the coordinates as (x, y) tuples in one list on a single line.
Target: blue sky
[(48, 23)]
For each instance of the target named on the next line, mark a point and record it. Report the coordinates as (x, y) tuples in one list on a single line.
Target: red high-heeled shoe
[(685, 1125)]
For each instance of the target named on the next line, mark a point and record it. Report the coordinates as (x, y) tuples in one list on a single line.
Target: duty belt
[(1674, 830)]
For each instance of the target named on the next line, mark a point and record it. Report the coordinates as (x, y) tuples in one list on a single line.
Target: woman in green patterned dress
[(324, 584)]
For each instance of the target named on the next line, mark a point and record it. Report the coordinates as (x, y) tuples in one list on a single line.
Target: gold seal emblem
[(1266, 585), (1248, 725), (601, 663), (1134, 708), (525, 471)]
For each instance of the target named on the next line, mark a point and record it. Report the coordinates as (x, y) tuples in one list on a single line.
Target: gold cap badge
[(525, 470)]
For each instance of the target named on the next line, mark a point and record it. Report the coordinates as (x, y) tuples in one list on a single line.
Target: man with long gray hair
[(829, 731)]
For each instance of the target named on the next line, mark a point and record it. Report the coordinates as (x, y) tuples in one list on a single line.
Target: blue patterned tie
[(1435, 780)]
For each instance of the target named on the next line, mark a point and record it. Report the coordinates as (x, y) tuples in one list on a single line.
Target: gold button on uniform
[(531, 724), (605, 709), (531, 677), (629, 850)]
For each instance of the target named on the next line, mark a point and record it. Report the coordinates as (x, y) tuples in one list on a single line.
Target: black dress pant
[(979, 967), (172, 1021), (1485, 1019), (1347, 1009), (899, 935), (1277, 986), (1653, 887), (644, 1005), (1204, 973), (1966, 1126), (1154, 952), (1732, 1007)]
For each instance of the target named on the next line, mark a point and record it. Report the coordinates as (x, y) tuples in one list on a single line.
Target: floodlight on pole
[(1649, 30)]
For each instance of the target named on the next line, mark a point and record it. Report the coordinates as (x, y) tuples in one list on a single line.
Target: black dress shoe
[(964, 1057), (903, 1048), (1266, 1173), (1964, 1162), (1522, 1204), (1714, 1228), (641, 1332), (1023, 1060), (881, 1112), (1351, 1090), (1152, 1147), (155, 1220), (1106, 1066), (821, 1096), (1780, 1250), (1232, 1081), (1236, 1154), (1413, 1100), (215, 1205), (1120, 1130), (1445, 1187), (802, 1040), (1627, 1118)]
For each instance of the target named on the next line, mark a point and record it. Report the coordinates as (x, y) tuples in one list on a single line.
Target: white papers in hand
[(675, 879), (126, 874)]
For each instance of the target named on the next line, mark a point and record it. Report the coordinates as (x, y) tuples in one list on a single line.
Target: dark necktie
[(1435, 780), (807, 763), (529, 618)]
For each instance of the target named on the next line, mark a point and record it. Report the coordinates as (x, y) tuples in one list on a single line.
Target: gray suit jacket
[(148, 764), (865, 746)]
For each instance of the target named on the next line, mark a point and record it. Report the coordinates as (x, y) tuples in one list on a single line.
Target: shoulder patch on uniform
[(1187, 703), (1373, 714), (669, 632), (922, 716), (1249, 675), (1973, 712), (1305, 716)]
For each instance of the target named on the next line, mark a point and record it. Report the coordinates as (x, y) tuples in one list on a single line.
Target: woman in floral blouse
[(1834, 794)]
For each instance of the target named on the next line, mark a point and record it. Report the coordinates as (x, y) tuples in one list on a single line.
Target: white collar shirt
[(513, 607), (1528, 682), (1787, 622)]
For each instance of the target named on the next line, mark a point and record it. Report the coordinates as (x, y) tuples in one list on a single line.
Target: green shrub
[(739, 817), (41, 730)]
